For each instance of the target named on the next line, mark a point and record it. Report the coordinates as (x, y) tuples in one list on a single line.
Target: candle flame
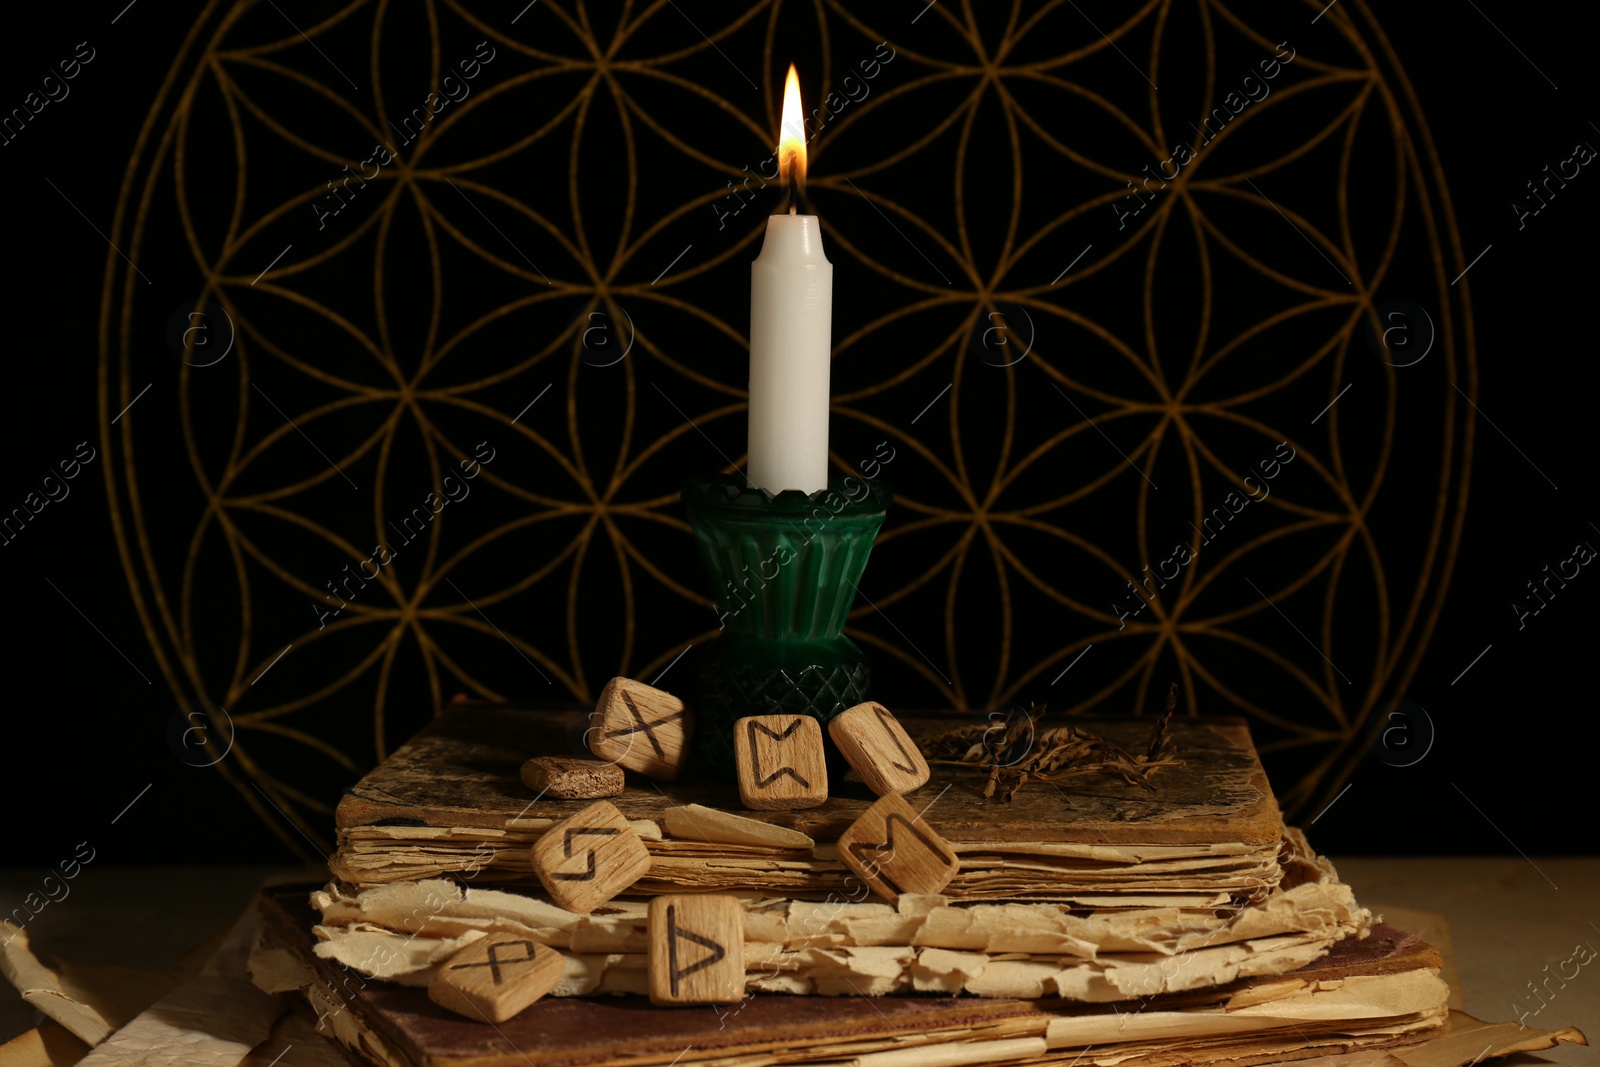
[(792, 134)]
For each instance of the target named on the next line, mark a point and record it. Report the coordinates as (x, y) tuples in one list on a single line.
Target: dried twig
[(1016, 750)]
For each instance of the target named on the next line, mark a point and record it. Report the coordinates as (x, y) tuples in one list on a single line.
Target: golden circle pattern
[(461, 281)]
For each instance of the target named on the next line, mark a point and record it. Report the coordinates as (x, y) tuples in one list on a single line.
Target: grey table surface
[(1508, 919)]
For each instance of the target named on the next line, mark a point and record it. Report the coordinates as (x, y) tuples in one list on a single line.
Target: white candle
[(791, 332)]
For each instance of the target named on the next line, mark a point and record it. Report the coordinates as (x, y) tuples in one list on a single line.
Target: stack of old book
[(1151, 910)]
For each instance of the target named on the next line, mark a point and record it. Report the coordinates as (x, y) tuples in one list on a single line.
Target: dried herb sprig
[(1017, 750)]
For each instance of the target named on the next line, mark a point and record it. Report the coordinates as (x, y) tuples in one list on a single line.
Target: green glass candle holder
[(783, 573)]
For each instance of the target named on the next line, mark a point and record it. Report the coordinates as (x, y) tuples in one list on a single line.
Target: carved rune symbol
[(597, 831), (494, 961), (673, 933), (885, 851), (888, 723), (640, 723), (755, 758)]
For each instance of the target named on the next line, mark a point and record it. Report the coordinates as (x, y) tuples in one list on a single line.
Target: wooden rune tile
[(878, 749), (781, 762), (894, 850), (696, 949), (563, 778), (640, 728), (587, 859), (495, 977)]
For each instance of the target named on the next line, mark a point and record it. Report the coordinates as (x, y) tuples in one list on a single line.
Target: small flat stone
[(565, 778)]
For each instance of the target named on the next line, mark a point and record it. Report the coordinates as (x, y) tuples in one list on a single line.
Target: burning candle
[(791, 330)]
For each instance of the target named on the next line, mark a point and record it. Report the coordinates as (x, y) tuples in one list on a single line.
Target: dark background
[(1508, 769)]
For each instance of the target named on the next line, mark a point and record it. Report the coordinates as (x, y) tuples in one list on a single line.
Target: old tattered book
[(1381, 992), (450, 804)]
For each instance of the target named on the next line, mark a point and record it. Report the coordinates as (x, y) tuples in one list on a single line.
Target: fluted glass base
[(784, 571)]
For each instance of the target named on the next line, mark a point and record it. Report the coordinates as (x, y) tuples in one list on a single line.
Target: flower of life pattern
[(1073, 368)]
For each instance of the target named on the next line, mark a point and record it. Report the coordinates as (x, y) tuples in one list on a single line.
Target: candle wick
[(794, 193)]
